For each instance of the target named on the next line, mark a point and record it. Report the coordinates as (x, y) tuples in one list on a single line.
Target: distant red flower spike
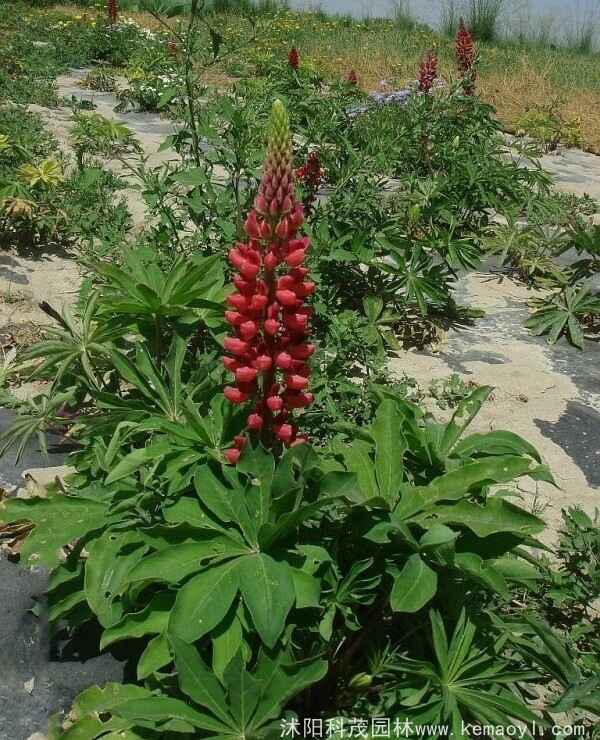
[(172, 47), (352, 77), (466, 57), (294, 58), (428, 72), (112, 7), (311, 176)]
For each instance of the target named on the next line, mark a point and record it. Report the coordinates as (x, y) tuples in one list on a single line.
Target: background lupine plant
[(352, 77), (112, 7), (428, 70), (294, 58), (268, 352), (310, 174), (466, 57)]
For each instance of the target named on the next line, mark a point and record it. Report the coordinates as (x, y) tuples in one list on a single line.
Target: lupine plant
[(311, 176)]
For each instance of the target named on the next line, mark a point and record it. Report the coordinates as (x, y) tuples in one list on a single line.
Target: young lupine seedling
[(268, 352)]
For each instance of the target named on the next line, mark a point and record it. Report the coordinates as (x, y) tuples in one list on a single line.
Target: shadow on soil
[(578, 433)]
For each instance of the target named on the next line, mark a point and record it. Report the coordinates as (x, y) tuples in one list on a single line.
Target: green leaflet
[(268, 591), (415, 585), (204, 600), (153, 619), (390, 446), (174, 563), (110, 559)]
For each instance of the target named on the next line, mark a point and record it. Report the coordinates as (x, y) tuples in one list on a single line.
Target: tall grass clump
[(449, 19), (482, 18), (402, 15), (261, 7), (582, 34)]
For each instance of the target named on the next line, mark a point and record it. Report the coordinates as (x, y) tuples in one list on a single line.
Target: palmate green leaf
[(110, 559), (96, 701), (438, 535), (268, 591), (474, 475), (187, 510), (91, 727), (204, 600), (414, 586), (151, 620), (244, 693), (497, 709), (227, 503), (286, 525), (307, 589), (58, 519), (517, 570), (482, 571), (198, 682)]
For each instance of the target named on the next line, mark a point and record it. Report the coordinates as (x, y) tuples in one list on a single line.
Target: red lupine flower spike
[(466, 57), (428, 72), (268, 350), (112, 7), (311, 176), (352, 77), (172, 47), (294, 58)]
